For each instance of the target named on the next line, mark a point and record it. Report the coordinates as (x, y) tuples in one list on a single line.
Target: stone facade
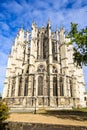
[(41, 73)]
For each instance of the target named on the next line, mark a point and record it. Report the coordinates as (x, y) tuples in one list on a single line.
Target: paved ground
[(45, 119)]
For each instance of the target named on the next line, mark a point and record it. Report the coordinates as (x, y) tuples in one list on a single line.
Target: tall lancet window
[(20, 85), (54, 50), (55, 90), (40, 86), (45, 48), (38, 53), (26, 87), (70, 83), (24, 55), (61, 87), (41, 46)]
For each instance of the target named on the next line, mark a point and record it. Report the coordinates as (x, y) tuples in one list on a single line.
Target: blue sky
[(17, 13)]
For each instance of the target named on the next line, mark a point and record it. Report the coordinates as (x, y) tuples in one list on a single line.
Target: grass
[(80, 109)]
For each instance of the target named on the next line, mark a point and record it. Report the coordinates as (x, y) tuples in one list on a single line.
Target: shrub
[(3, 111)]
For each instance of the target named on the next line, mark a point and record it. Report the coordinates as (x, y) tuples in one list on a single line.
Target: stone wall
[(34, 126)]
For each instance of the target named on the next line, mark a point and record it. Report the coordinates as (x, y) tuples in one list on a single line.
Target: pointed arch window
[(40, 86)]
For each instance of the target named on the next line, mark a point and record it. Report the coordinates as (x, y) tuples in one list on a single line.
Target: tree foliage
[(79, 38), (3, 111)]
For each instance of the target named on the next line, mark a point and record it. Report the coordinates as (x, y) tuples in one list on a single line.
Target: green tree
[(79, 38), (3, 111)]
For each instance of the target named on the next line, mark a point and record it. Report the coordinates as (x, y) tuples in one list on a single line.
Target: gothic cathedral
[(41, 72)]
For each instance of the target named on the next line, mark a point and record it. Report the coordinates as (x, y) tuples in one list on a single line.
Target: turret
[(27, 35), (57, 34), (49, 24), (21, 35)]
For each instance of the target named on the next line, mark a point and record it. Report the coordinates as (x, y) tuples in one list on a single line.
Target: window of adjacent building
[(55, 92), (40, 86), (61, 87)]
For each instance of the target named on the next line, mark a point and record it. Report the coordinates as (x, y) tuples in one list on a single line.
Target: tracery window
[(55, 92), (40, 86), (61, 87), (41, 69)]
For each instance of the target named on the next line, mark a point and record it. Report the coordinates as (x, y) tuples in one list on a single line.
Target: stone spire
[(49, 24)]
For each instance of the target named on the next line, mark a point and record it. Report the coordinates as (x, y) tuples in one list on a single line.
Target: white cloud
[(4, 26), (12, 7), (5, 44)]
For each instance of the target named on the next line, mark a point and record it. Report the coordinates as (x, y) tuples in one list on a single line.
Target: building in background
[(41, 72)]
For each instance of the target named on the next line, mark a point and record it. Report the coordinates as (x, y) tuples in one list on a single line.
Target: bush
[(3, 111)]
